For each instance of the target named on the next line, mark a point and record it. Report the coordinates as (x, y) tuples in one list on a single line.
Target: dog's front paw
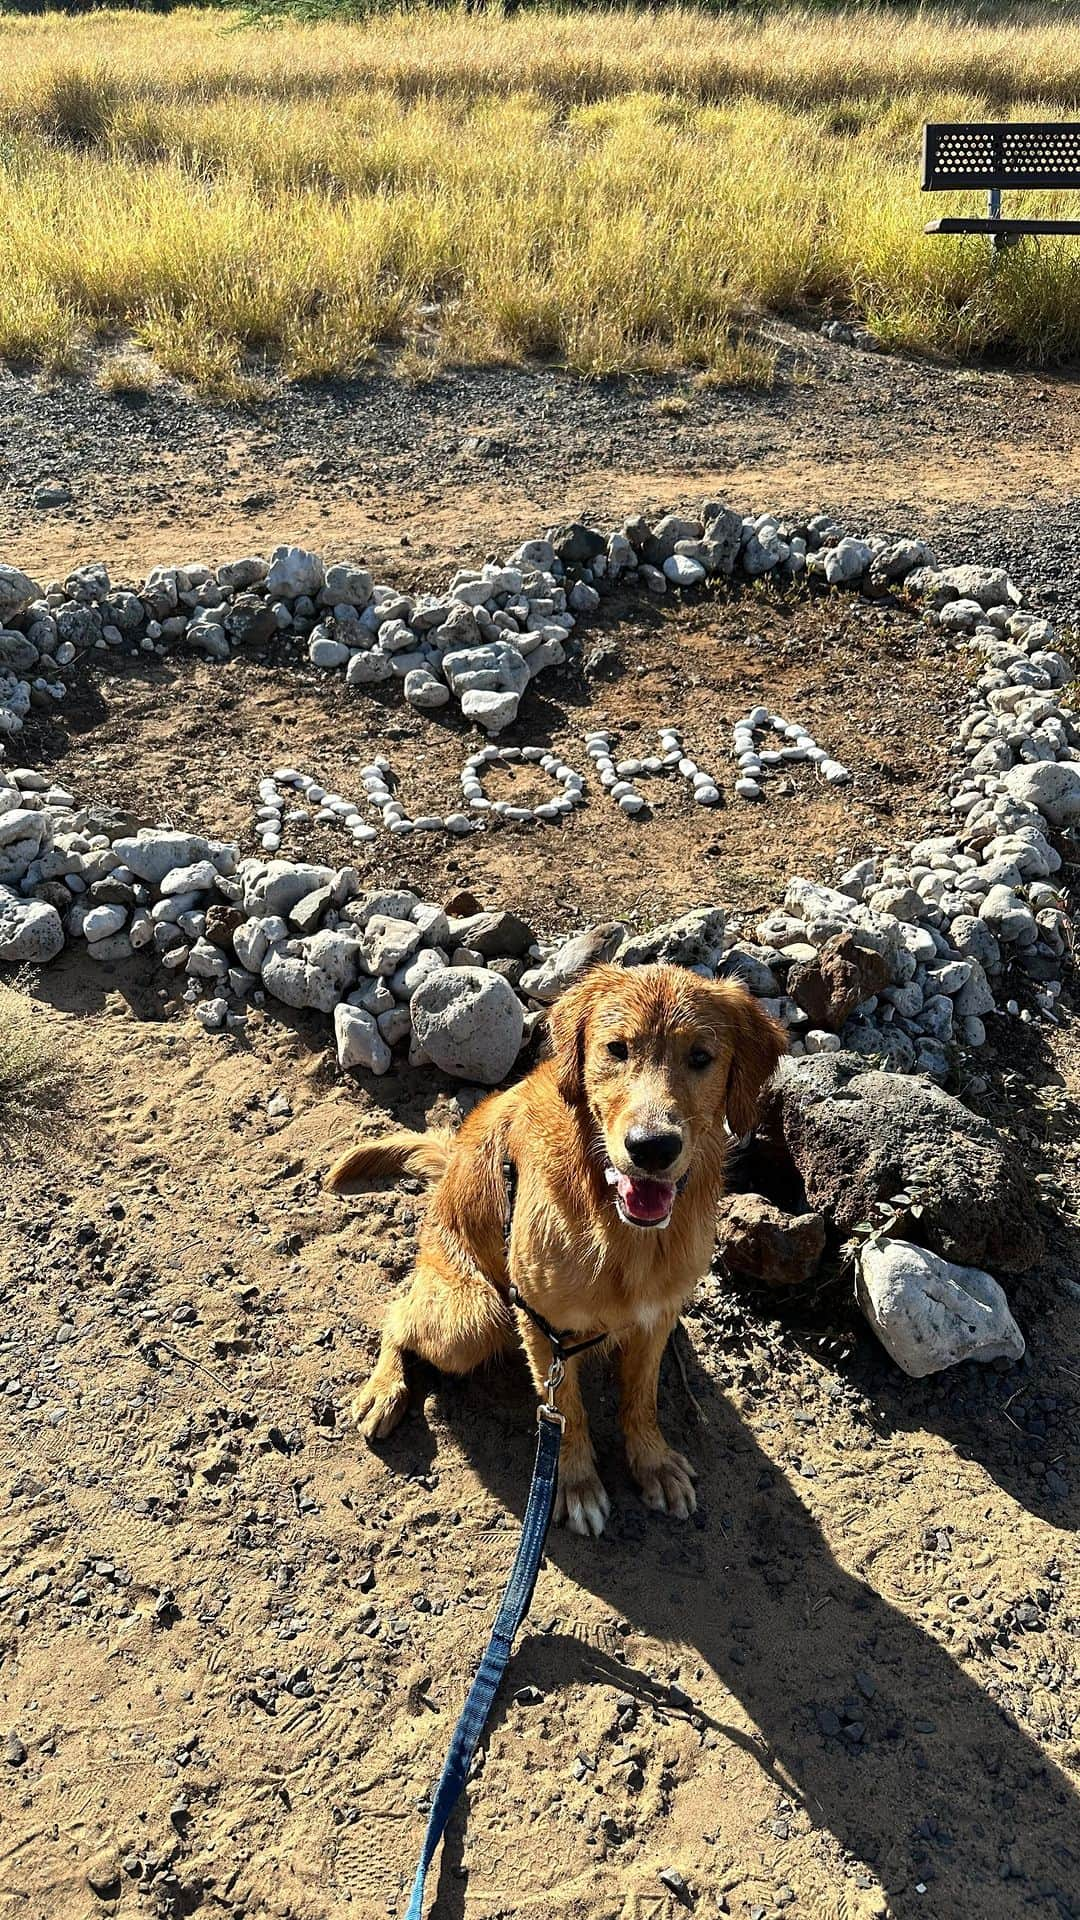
[(377, 1408), (667, 1483), (582, 1504)]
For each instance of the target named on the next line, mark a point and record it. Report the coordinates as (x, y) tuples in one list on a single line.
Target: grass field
[(616, 191)]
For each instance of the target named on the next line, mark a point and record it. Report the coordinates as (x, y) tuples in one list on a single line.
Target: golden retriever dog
[(618, 1142)]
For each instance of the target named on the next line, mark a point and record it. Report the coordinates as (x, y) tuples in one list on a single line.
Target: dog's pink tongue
[(646, 1199)]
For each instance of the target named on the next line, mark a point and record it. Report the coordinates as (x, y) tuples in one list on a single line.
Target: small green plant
[(889, 1215), (908, 1205)]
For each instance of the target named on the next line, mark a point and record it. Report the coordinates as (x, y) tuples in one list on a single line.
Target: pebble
[(618, 777), (756, 762), (834, 772), (567, 777)]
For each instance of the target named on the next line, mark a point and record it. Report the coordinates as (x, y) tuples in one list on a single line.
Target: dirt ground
[(187, 742), (475, 460), (234, 1641)]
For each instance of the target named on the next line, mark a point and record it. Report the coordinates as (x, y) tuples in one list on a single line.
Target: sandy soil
[(233, 1641)]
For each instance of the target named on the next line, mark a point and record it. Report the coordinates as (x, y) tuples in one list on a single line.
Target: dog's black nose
[(652, 1152)]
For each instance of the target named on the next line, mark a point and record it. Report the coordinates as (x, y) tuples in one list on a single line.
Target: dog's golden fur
[(697, 1054)]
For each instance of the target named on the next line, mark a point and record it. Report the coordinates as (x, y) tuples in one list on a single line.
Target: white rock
[(818, 1040), (276, 886), (253, 941), (930, 1314), (369, 668), (534, 555), (359, 1042), (387, 943), (396, 636), (432, 922), (682, 571), (1005, 912), (293, 572), (848, 560), (810, 900), (469, 1022), (405, 980), (17, 591), (424, 691), (974, 997), (100, 922), (988, 586), (394, 1025), (496, 667), (374, 996), (1053, 786), (324, 652), (761, 553), (546, 653), (333, 952), (206, 961), (960, 616), (288, 977), (237, 575), (20, 824), (154, 852), (347, 586), (492, 710), (31, 932), (115, 946), (397, 903), (201, 877)]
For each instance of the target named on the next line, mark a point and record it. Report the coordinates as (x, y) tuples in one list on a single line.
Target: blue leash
[(517, 1598), (512, 1610)]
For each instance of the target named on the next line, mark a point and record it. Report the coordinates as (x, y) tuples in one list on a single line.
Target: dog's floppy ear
[(568, 1022), (758, 1042)]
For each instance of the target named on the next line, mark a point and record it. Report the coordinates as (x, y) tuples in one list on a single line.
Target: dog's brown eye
[(700, 1058), (618, 1049)]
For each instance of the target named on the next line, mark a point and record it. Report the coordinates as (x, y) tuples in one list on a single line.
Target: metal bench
[(1000, 158)]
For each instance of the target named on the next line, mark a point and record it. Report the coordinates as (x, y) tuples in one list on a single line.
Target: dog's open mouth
[(642, 1202)]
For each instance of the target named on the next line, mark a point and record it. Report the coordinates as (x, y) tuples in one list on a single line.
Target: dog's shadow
[(752, 1585)]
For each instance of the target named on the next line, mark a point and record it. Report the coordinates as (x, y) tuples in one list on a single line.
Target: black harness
[(562, 1346)]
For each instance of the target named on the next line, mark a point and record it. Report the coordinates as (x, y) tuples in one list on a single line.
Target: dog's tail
[(422, 1153)]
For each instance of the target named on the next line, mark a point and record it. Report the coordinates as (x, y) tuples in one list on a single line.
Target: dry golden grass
[(33, 1081), (619, 191), (129, 373)]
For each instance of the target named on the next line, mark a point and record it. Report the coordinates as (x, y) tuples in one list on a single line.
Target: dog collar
[(563, 1347)]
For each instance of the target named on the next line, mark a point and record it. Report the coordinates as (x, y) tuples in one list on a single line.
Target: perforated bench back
[(1015, 155)]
